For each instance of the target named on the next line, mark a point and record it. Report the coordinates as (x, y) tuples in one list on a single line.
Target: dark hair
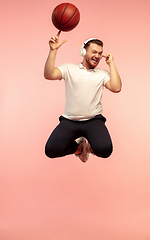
[(96, 41)]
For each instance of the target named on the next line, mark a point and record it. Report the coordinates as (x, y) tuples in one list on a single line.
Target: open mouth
[(95, 60)]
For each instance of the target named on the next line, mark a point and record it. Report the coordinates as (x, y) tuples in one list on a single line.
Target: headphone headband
[(90, 39)]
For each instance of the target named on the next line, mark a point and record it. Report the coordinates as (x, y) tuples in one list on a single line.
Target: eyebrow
[(97, 51)]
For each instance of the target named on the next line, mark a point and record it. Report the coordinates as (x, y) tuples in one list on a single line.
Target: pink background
[(43, 199)]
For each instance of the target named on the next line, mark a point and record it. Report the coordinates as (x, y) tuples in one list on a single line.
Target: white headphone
[(82, 49)]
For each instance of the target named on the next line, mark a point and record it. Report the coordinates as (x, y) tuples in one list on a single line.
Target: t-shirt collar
[(90, 70)]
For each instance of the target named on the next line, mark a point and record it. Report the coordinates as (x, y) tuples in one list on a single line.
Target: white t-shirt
[(83, 91)]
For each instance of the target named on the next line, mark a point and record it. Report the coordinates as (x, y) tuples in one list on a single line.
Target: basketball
[(65, 17)]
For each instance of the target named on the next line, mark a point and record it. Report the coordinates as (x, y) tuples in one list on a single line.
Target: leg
[(62, 140), (98, 136)]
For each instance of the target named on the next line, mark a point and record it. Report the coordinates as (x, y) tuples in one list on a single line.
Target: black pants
[(62, 140)]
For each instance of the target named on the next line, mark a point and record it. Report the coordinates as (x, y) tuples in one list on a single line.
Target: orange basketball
[(65, 17)]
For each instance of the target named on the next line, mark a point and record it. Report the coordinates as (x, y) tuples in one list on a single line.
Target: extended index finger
[(58, 33)]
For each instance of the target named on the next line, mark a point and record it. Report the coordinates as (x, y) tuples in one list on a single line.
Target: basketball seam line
[(63, 12), (70, 18)]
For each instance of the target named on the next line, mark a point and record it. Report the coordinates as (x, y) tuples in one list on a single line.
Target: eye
[(94, 52)]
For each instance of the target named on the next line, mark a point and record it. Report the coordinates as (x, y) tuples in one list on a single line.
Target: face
[(93, 56)]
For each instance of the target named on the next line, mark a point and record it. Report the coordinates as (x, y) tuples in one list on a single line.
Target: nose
[(97, 55)]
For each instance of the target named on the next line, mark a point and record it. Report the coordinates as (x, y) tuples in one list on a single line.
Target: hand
[(108, 58), (54, 42)]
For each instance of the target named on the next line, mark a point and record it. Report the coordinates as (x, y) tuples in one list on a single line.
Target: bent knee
[(49, 152), (104, 152)]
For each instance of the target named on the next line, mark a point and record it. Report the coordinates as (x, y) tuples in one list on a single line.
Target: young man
[(82, 127)]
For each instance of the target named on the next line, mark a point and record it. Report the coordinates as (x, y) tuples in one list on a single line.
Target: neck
[(86, 65)]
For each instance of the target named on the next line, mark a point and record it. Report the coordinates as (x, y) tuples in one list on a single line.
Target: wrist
[(53, 49), (111, 64)]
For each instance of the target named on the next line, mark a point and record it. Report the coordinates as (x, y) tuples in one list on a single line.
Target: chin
[(93, 65)]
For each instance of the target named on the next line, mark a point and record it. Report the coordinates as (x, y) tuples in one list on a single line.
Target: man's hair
[(96, 41)]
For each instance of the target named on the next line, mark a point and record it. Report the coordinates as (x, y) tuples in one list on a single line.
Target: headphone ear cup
[(82, 51)]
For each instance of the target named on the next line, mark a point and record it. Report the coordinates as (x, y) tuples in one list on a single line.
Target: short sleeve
[(106, 77), (63, 69)]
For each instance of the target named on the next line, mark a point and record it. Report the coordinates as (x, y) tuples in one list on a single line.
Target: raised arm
[(50, 71), (114, 84)]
